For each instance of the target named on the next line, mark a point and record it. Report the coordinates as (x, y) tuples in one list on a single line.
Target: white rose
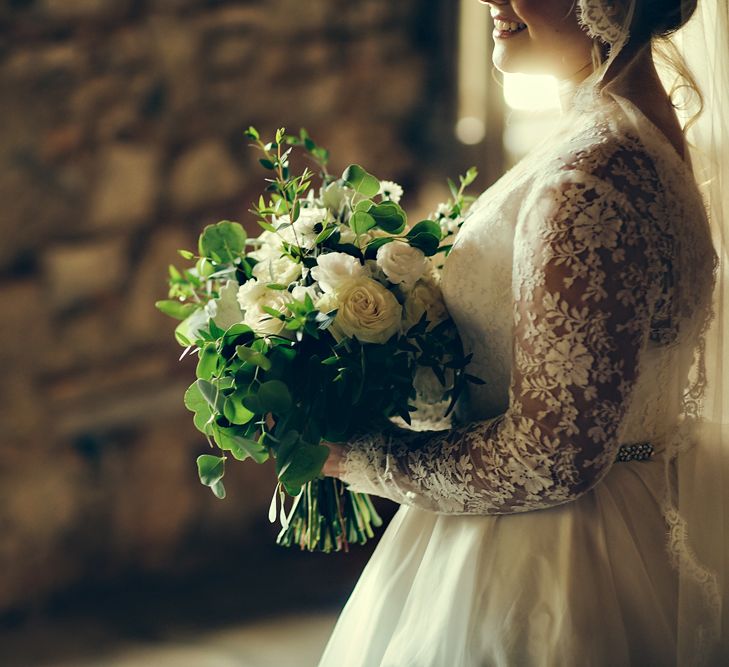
[(402, 264), (425, 298), (281, 269), (368, 311), (225, 310), (334, 269), (252, 297), (302, 232)]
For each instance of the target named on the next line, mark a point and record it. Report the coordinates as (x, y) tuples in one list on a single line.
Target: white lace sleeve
[(585, 269)]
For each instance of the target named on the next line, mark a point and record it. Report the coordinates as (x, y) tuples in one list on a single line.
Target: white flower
[(443, 211), (336, 196), (300, 292), (252, 297), (368, 311), (402, 264), (281, 269), (224, 310), (334, 269), (424, 299), (391, 191), (268, 246), (450, 225), (302, 233)]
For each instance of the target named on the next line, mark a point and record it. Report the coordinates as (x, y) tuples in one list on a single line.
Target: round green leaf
[(230, 440), (304, 465), (210, 468), (389, 217), (208, 363), (234, 410), (253, 357), (195, 402), (360, 181), (361, 222), (223, 242)]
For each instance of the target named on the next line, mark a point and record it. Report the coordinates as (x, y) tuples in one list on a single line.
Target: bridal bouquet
[(326, 325)]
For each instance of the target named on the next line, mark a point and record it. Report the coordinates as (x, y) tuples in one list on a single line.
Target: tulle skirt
[(588, 583)]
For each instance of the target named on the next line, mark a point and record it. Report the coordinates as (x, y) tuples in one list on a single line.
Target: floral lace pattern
[(609, 277), (601, 20)]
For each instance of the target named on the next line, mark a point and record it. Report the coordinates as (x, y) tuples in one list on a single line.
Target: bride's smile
[(539, 37)]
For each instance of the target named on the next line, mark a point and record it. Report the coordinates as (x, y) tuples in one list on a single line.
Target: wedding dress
[(534, 532)]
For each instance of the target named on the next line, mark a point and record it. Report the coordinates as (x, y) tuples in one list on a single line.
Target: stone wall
[(121, 136)]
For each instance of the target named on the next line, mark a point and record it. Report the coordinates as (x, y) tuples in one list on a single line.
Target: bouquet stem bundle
[(326, 517)]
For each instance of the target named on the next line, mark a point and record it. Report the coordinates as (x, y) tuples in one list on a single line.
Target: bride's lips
[(505, 27)]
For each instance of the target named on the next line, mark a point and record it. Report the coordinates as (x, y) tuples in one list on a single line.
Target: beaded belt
[(638, 452)]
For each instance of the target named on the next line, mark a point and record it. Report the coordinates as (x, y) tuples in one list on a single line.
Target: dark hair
[(661, 18)]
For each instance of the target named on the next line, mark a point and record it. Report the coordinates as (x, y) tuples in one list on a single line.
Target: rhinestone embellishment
[(639, 452)]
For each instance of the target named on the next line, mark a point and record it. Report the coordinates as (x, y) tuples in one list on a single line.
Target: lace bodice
[(580, 282)]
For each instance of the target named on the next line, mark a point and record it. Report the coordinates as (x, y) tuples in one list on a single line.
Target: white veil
[(696, 506)]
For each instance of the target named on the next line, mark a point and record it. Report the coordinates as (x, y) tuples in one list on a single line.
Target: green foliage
[(211, 470), (223, 242), (176, 309), (362, 182), (426, 236), (313, 386)]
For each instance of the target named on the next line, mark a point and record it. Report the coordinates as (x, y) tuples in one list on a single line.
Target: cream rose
[(402, 264), (368, 311), (334, 269), (252, 297), (424, 298)]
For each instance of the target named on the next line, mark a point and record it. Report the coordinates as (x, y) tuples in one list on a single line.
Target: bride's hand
[(333, 465)]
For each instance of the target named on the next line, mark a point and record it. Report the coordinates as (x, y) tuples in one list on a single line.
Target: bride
[(573, 514)]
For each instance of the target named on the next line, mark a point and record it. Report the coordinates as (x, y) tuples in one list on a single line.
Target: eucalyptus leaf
[(389, 217), (234, 410), (362, 182), (196, 402), (176, 309), (210, 468), (218, 489), (304, 465), (211, 394), (231, 440), (223, 242), (253, 357), (361, 222), (208, 363)]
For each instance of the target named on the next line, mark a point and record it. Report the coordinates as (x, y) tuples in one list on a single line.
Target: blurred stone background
[(121, 137)]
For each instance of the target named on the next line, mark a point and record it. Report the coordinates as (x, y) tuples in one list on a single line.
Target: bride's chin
[(511, 61)]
